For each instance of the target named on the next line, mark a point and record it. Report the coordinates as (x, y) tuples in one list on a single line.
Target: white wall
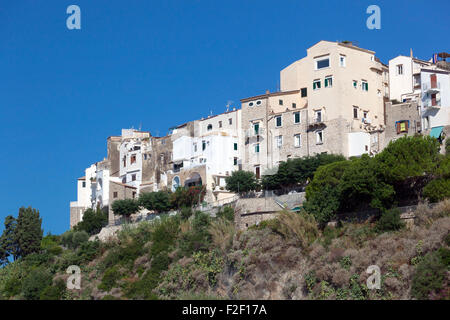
[(357, 142), (400, 84), (438, 116)]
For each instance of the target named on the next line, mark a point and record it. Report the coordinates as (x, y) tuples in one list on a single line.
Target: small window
[(115, 194), (328, 82), (124, 179), (324, 63), (195, 147), (235, 161), (134, 195), (304, 92), (250, 104), (296, 117), (294, 105), (209, 128), (319, 137), (203, 145), (342, 61), (133, 177), (355, 84), (355, 112), (220, 124), (256, 127), (279, 141), (318, 116), (257, 172), (278, 121), (365, 86), (235, 146), (145, 156), (257, 148), (83, 184), (258, 102), (399, 69), (316, 84), (230, 121), (133, 158), (297, 141), (365, 114), (280, 102)]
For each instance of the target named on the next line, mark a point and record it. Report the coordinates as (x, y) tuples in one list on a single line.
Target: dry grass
[(222, 232), (300, 227)]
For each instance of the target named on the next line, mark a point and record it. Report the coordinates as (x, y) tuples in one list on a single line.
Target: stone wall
[(398, 112), (119, 191)]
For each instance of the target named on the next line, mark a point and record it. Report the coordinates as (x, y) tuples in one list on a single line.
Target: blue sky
[(157, 64)]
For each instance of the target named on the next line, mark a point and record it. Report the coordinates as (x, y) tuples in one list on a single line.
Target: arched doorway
[(194, 180)]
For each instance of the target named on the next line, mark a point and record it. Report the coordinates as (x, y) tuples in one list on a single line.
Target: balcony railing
[(429, 88), (432, 103), (253, 133)]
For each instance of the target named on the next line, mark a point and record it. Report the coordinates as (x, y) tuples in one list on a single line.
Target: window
[(278, 121), (258, 102), (402, 126), (83, 184), (355, 84), (297, 140), (365, 86), (145, 156), (250, 104), (399, 69), (203, 145), (115, 194), (294, 105), (365, 114), (220, 124), (324, 63), (235, 161), (296, 117), (133, 158), (134, 194), (133, 177), (209, 128), (328, 82), (304, 92), (124, 179), (280, 102), (230, 121), (342, 61), (235, 146), (279, 141), (319, 137), (256, 127), (195, 147), (124, 160), (355, 112), (316, 84), (318, 116), (257, 148)]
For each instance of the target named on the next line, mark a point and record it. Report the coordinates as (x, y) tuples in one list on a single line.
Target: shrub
[(186, 213), (158, 201), (428, 277), (93, 221), (437, 190), (298, 226), (241, 181), (222, 232), (109, 279), (79, 237), (35, 283), (226, 212), (55, 291), (390, 221)]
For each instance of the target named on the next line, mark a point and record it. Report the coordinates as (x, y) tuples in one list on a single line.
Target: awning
[(436, 132)]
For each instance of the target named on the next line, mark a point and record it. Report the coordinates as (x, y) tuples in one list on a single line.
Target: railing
[(428, 87)]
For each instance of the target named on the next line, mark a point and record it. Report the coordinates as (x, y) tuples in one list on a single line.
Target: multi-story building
[(426, 83), (205, 152)]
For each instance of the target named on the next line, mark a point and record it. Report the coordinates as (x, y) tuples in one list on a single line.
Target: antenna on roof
[(229, 102)]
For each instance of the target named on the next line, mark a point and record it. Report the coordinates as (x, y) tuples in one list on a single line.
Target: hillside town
[(338, 99)]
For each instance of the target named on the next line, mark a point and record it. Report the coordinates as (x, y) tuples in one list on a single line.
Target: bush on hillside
[(390, 221), (437, 190), (35, 283)]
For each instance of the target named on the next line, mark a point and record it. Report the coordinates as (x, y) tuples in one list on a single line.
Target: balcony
[(431, 87), (432, 103), (318, 120), (252, 132)]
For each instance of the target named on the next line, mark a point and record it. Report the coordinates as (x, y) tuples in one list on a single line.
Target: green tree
[(241, 181), (323, 196), (93, 221), (8, 242), (28, 232), (158, 201), (35, 283), (125, 207)]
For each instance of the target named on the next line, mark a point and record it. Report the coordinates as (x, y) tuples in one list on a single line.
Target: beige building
[(330, 101)]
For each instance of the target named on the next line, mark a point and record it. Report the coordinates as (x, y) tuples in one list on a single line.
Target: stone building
[(401, 119)]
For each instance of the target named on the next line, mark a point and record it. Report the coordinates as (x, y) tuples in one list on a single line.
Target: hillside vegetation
[(293, 256)]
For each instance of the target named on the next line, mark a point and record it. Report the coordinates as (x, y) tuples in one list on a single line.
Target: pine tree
[(28, 233), (8, 243)]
